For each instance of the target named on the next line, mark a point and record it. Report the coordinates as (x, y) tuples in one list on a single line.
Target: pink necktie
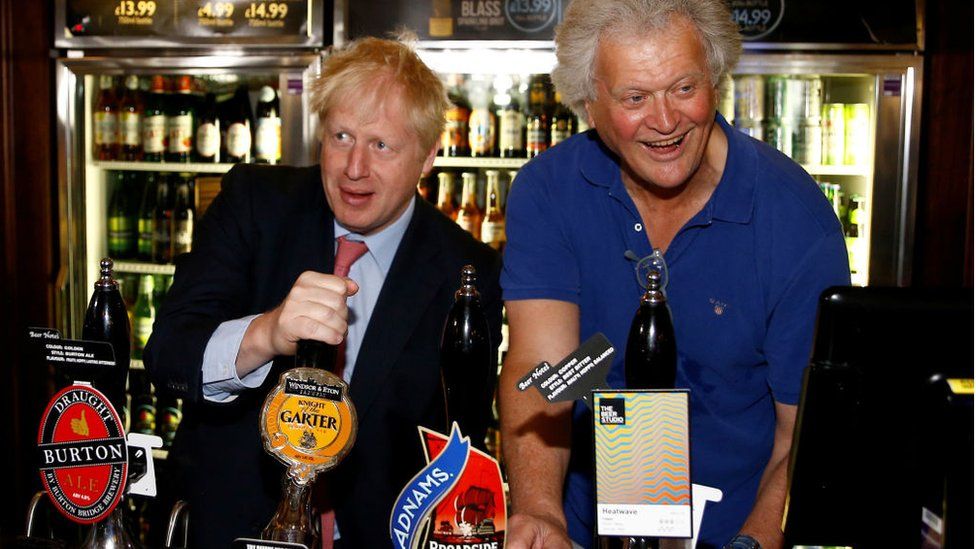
[(346, 254)]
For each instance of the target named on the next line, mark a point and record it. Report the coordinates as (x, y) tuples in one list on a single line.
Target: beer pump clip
[(86, 461)]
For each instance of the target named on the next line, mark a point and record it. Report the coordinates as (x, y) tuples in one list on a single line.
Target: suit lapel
[(413, 281), (313, 231)]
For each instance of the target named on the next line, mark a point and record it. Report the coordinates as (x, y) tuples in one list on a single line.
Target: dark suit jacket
[(268, 225)]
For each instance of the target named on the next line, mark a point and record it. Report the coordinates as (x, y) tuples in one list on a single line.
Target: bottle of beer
[(469, 215), (467, 369), (143, 403), (537, 121), (651, 360), (169, 413), (207, 145), (493, 226), (106, 128), (163, 221), (154, 121), (454, 139), (106, 320), (237, 142), (445, 194), (179, 122), (146, 222), (511, 127), (563, 122), (121, 219), (144, 314), (183, 217), (267, 134), (130, 112), (481, 125)]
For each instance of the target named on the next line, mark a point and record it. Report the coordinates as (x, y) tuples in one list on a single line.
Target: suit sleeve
[(211, 285)]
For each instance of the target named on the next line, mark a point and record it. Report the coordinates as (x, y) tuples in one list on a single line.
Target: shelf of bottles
[(824, 123), (158, 147), (479, 163), (164, 167), (495, 125)]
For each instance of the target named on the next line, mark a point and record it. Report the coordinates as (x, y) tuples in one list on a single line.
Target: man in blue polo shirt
[(748, 239)]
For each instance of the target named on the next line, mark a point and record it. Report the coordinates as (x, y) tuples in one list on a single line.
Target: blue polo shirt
[(745, 275)]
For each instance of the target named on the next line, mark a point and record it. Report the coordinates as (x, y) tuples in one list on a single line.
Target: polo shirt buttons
[(638, 227)]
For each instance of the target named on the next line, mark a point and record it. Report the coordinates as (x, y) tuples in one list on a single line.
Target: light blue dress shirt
[(220, 380)]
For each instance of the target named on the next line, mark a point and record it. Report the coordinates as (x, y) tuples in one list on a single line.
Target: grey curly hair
[(586, 22)]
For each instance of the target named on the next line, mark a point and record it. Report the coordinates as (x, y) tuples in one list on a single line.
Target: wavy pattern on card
[(645, 461)]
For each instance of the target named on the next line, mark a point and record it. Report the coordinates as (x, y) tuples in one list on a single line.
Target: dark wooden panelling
[(944, 228), (27, 245)]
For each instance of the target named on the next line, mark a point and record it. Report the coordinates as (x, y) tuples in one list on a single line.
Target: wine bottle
[(467, 369), (537, 120), (106, 127), (154, 121), (207, 146), (511, 127), (482, 125), (179, 122), (237, 141), (182, 217), (454, 139), (267, 134), (130, 119), (106, 320)]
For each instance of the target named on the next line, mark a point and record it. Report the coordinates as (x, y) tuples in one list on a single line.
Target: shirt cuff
[(220, 380)]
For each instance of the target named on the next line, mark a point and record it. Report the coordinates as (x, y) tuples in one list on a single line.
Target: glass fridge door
[(852, 123), (143, 144)]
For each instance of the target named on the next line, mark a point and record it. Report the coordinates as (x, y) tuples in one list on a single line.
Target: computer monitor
[(879, 434)]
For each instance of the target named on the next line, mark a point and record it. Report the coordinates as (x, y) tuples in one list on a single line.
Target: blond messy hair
[(369, 69)]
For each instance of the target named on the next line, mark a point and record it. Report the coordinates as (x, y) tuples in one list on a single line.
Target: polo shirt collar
[(382, 245), (734, 196)]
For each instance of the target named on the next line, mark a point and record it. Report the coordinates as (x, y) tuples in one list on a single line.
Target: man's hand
[(315, 308), (536, 532)]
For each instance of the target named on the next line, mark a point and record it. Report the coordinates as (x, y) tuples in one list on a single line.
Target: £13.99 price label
[(131, 12)]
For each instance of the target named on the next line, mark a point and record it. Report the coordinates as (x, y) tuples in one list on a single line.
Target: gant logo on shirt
[(718, 307)]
